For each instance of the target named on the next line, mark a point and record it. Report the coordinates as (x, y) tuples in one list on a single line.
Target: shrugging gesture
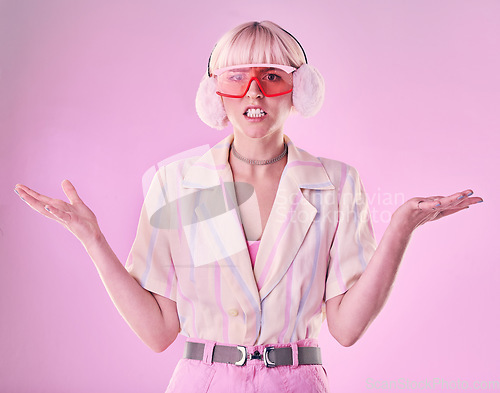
[(350, 314), (417, 211), (74, 216), (153, 318), (212, 274)]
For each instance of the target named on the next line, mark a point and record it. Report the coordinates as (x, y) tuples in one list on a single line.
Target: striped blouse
[(190, 247)]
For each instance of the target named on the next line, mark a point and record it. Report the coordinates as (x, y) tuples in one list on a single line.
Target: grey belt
[(238, 355)]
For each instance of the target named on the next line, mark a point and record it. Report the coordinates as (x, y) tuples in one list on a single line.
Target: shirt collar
[(213, 167)]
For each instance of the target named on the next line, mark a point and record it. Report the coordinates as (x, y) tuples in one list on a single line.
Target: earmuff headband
[(255, 24), (307, 94)]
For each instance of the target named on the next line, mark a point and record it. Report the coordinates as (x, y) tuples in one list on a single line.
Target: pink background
[(99, 91)]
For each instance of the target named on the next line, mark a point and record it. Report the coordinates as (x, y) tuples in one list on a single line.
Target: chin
[(256, 132)]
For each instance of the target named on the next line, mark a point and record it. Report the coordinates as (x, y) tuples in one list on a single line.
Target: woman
[(248, 248)]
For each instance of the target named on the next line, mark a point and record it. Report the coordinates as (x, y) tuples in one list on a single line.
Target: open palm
[(75, 215)]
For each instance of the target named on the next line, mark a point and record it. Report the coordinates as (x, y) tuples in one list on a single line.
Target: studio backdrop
[(99, 92)]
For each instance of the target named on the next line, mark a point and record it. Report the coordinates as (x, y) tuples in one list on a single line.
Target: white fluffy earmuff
[(209, 105), (308, 90), (307, 96)]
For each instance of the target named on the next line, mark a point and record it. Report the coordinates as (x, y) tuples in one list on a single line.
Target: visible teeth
[(255, 113)]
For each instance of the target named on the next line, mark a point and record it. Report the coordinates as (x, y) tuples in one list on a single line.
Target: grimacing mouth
[(255, 112)]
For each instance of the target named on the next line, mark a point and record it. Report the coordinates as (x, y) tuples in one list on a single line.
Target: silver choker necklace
[(259, 162)]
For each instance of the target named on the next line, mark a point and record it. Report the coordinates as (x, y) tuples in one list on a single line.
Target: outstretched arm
[(349, 315), (152, 317)]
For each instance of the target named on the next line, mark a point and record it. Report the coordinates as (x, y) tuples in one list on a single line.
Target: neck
[(260, 148), (265, 148)]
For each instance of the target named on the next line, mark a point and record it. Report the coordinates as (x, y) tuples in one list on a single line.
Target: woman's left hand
[(419, 210)]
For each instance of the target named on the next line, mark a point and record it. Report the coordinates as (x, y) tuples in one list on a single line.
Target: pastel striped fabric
[(190, 247)]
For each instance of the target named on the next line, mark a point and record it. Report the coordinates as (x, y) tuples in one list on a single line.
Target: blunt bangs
[(257, 42)]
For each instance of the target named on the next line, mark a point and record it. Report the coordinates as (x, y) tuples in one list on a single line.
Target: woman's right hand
[(75, 215), (152, 317)]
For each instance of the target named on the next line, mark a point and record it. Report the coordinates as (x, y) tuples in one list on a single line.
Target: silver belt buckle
[(266, 359), (243, 359)]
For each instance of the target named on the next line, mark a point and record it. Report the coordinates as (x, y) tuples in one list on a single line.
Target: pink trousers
[(203, 376)]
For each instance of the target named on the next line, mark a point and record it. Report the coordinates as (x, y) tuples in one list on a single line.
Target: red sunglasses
[(273, 79)]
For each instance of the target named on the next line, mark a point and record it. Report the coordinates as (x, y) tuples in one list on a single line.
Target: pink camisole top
[(253, 247)]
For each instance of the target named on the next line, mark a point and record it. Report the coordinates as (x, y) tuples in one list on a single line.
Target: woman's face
[(256, 115)]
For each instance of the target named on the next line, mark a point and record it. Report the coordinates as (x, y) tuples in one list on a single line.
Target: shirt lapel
[(290, 219), (220, 237)]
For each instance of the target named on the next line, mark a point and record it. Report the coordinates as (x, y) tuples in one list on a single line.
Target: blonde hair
[(257, 42)]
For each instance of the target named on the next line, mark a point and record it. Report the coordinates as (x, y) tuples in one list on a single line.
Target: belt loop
[(208, 352), (295, 355)]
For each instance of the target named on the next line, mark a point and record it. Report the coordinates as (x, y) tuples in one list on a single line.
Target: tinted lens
[(272, 81)]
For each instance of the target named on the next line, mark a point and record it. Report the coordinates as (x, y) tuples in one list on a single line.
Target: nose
[(254, 90)]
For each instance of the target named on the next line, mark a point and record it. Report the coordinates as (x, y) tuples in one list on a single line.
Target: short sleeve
[(149, 260), (354, 242)]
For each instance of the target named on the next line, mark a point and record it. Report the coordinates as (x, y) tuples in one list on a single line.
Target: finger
[(34, 194), (32, 202), (42, 199), (428, 204), (469, 201), (59, 214), (70, 191), (455, 199), (434, 197), (462, 195)]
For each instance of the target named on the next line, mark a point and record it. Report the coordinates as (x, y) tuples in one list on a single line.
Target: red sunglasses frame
[(248, 88), (287, 69)]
